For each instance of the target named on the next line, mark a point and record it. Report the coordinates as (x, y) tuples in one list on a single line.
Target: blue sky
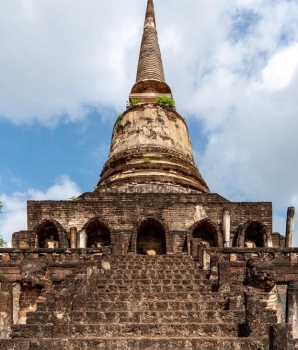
[(66, 69)]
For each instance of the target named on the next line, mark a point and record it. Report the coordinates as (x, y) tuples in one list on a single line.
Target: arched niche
[(98, 234), (205, 232), (255, 235), (47, 235), (151, 236)]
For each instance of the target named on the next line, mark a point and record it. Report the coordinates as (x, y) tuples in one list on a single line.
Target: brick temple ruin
[(151, 259)]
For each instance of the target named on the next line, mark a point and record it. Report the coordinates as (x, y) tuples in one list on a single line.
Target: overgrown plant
[(75, 199), (261, 346), (119, 120), (147, 160), (167, 101), (133, 103)]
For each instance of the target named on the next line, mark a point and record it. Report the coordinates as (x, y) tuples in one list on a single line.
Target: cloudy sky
[(67, 66)]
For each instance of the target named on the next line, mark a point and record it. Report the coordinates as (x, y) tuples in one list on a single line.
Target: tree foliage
[(3, 243)]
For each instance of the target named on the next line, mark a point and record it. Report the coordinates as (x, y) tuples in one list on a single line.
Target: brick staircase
[(135, 302)]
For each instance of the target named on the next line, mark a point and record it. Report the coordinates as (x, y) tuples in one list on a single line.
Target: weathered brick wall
[(124, 213), (24, 239)]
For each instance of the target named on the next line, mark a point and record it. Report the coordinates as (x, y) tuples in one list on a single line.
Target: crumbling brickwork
[(93, 297), (124, 213)]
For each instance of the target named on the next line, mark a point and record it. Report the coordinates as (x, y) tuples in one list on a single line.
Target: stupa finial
[(150, 75)]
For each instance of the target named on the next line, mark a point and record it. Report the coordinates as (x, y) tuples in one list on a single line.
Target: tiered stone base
[(136, 302)]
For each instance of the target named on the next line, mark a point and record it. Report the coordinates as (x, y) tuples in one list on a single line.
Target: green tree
[(3, 243)]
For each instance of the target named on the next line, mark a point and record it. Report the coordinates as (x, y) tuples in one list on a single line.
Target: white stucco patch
[(200, 213)]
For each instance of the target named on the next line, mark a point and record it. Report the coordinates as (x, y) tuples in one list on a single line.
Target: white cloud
[(59, 57), (14, 216), (280, 69)]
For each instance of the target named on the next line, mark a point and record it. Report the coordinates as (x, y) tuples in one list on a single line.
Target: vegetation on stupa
[(119, 120), (167, 101)]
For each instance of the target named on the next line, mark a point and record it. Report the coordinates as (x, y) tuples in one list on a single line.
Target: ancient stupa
[(151, 259)]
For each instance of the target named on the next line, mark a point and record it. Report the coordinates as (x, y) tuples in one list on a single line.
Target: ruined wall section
[(63, 294), (123, 214)]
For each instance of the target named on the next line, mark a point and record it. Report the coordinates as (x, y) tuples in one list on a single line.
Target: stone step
[(158, 317), (154, 265), (157, 268), (127, 330), (101, 317), (31, 331), (152, 330), (155, 281), (161, 343), (152, 288), (176, 265), (137, 257), (145, 274), (158, 265), (85, 304), (140, 259), (151, 296)]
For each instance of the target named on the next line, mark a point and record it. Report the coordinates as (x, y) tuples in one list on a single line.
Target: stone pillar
[(226, 228), (292, 307), (5, 310), (82, 239), (16, 293), (290, 227), (73, 237)]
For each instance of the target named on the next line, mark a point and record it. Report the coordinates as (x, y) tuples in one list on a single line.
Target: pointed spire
[(150, 80), (150, 62), (150, 12)]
